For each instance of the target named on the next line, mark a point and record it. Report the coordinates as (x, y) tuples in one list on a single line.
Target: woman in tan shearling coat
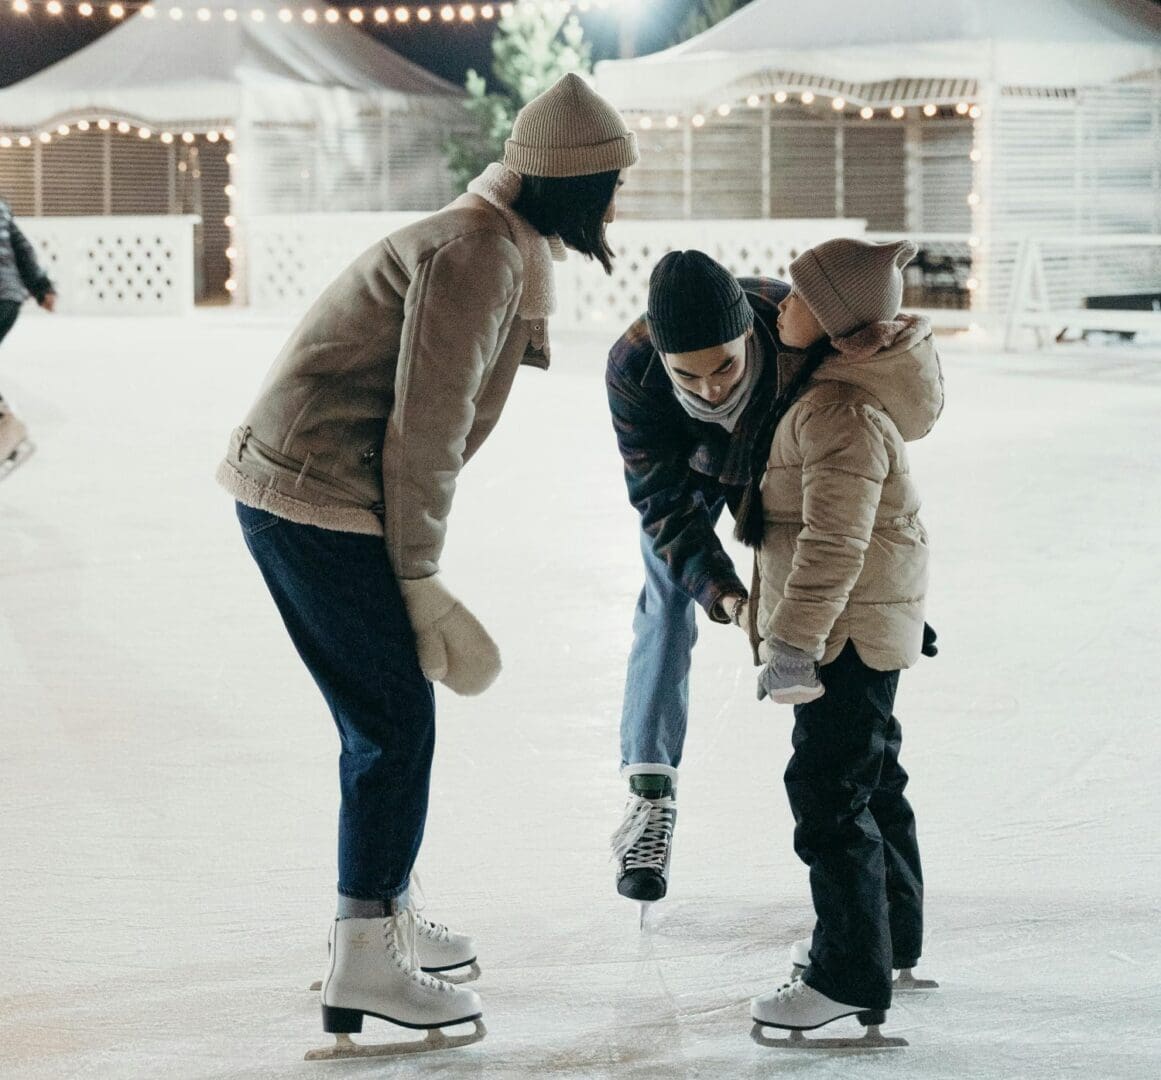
[(344, 472), (841, 574)]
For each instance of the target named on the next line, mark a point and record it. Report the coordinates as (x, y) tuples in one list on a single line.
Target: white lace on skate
[(642, 839), (401, 932)]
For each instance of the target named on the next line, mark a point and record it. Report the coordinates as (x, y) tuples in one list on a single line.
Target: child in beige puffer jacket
[(841, 573)]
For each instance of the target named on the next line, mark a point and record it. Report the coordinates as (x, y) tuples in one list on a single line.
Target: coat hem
[(250, 493)]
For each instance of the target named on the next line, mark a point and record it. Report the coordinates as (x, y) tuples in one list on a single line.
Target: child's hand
[(790, 676)]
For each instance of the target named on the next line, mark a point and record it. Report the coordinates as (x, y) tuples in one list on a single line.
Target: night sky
[(28, 44)]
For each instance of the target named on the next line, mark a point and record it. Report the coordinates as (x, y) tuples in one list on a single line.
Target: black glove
[(929, 647)]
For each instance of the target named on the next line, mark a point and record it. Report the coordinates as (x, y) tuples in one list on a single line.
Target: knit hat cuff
[(559, 161), (718, 327)]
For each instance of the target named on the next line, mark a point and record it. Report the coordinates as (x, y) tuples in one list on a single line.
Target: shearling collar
[(499, 186)]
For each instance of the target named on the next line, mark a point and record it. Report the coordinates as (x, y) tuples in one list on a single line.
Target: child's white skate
[(796, 1007)]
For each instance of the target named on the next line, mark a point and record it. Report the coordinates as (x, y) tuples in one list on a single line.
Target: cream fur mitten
[(453, 646)]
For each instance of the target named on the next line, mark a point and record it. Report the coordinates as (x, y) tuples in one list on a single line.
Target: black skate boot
[(644, 840)]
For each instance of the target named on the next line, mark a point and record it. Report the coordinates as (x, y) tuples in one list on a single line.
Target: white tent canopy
[(167, 72), (1042, 43)]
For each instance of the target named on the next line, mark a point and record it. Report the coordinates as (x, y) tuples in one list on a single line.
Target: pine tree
[(533, 47), (703, 14)]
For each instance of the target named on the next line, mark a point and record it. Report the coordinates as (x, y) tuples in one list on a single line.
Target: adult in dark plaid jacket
[(680, 469)]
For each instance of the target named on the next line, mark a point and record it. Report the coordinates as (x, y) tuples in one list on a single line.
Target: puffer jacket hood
[(896, 362)]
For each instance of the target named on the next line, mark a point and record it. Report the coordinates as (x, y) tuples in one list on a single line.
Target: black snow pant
[(856, 832), (9, 309)]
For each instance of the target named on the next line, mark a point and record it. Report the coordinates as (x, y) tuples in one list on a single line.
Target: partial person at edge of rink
[(20, 276)]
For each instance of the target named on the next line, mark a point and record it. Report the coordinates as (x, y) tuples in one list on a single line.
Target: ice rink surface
[(168, 784)]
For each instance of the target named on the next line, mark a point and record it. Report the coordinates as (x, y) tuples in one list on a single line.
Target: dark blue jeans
[(856, 832), (341, 604)]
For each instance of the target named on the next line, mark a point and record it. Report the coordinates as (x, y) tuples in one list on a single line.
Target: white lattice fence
[(587, 297), (293, 257), (117, 265)]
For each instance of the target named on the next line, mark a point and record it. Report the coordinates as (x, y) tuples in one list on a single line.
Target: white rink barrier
[(1053, 275), (293, 257), (117, 265)]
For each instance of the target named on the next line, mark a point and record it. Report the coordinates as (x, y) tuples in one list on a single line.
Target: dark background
[(30, 43)]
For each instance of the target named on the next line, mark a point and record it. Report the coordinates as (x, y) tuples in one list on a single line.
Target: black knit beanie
[(694, 303)]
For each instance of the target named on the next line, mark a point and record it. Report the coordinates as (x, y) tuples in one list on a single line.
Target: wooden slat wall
[(73, 174), (803, 169), (874, 174), (727, 166), (17, 180), (945, 176)]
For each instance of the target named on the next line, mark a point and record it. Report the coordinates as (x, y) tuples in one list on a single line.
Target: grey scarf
[(726, 412)]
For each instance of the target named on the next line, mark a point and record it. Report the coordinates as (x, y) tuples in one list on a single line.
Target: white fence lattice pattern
[(587, 297), (294, 257), (118, 265)]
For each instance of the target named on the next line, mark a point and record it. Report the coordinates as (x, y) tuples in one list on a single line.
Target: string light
[(898, 112), (807, 97), (838, 104), (929, 110), (463, 13), (866, 112)]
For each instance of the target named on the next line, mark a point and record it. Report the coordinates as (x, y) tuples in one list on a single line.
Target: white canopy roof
[(166, 72), (1009, 42)]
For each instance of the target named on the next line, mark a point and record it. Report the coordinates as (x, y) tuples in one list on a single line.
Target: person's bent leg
[(655, 708), (341, 604)]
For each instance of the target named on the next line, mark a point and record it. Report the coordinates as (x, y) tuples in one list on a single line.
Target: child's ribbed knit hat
[(850, 283), (569, 130)]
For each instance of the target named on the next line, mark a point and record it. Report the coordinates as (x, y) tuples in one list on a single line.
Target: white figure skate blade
[(906, 981), (871, 1039), (436, 1039)]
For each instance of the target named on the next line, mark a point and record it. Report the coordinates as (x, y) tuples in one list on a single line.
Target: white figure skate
[(796, 1007), (374, 971)]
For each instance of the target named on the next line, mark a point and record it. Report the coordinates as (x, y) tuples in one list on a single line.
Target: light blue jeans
[(656, 703)]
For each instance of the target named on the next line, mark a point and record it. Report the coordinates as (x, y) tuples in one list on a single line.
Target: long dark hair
[(573, 208), (750, 521)]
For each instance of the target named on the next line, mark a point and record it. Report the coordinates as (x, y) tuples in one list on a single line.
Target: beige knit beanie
[(569, 130), (850, 283)]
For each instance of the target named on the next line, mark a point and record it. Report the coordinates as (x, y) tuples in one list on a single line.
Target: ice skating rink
[(167, 774)]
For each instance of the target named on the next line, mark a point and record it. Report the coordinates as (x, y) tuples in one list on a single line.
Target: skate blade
[(457, 976), (643, 918), (346, 1047), (454, 976), (872, 1039), (19, 455), (906, 981)]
